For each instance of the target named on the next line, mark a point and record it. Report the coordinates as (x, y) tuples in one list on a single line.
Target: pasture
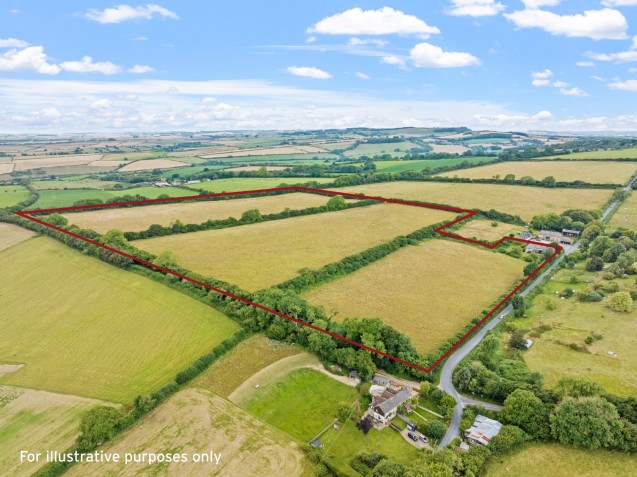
[(150, 164), (420, 164), (35, 162), (555, 460), (38, 421), (592, 155), (12, 195), (251, 183), (197, 421), (518, 200), (397, 149), (484, 230), (140, 218), (83, 327), (11, 235), (82, 183), (265, 151), (587, 171), (134, 156), (428, 291), (626, 213), (571, 321), (260, 255)]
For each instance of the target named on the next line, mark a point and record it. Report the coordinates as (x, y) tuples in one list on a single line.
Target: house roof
[(382, 380), (533, 248), (549, 233), (316, 443), (569, 231), (483, 429), (384, 406), (354, 374)]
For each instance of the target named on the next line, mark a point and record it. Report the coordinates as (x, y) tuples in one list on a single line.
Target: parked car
[(423, 438), (411, 427), (412, 436)]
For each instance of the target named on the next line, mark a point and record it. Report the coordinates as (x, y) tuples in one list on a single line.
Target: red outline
[(440, 230)]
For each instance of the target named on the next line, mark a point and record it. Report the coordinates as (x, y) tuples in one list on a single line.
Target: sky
[(92, 66)]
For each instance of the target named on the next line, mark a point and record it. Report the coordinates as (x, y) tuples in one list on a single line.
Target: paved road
[(446, 383)]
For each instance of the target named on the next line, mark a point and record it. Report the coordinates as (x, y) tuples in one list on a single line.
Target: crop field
[(449, 148), (6, 167), (394, 148), (260, 255), (84, 327), (571, 322), (197, 421), (243, 361), (484, 230), (65, 198), (134, 156), (256, 168), (140, 218), (36, 162), (287, 159), (422, 297), (11, 235), (592, 155), (251, 183), (626, 214), (587, 171), (265, 151), (151, 164), (38, 421), (518, 200), (302, 396), (418, 165), (554, 460), (78, 184), (12, 195)]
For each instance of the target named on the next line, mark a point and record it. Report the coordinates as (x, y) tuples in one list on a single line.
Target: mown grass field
[(140, 218), (301, 404), (78, 184), (38, 421), (250, 183), (418, 165), (12, 195), (65, 198), (133, 156), (11, 235), (571, 322), (588, 171), (484, 230), (582, 156), (261, 255), (246, 359), (397, 149), (197, 421), (83, 327), (554, 460), (428, 292), (518, 200), (626, 214)]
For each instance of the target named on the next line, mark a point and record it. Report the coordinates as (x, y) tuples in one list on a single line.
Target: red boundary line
[(440, 230)]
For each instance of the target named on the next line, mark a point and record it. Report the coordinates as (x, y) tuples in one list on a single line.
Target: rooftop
[(483, 429)]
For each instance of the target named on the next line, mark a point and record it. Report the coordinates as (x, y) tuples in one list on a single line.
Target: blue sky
[(72, 66)]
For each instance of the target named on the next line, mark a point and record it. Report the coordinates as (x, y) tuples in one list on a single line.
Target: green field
[(250, 183), (626, 214), (12, 195), (396, 149), (76, 184), (418, 165), (83, 327), (580, 156), (302, 404), (292, 159), (134, 156), (554, 460), (484, 230)]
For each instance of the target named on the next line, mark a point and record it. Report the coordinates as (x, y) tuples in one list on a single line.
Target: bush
[(621, 302)]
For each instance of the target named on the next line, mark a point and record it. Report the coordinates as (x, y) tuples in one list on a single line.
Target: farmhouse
[(384, 407), (532, 248), (555, 237), (380, 380), (482, 431), (526, 235)]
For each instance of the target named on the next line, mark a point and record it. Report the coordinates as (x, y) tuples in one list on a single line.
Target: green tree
[(519, 306), (425, 387), (508, 438), (115, 238), (549, 181), (388, 468), (166, 259), (621, 301), (97, 425), (577, 386), (251, 216), (517, 340), (435, 429), (57, 220), (594, 264), (343, 413), (336, 202), (524, 409)]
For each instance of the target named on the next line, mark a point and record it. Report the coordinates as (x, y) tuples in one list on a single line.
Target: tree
[(508, 438), (57, 220), (588, 422), (519, 306), (509, 178), (530, 268), (549, 181), (425, 387), (343, 413), (166, 259), (388, 468), (435, 429), (97, 425), (594, 264), (621, 301), (336, 202), (115, 238), (524, 409), (576, 386), (251, 216), (517, 340)]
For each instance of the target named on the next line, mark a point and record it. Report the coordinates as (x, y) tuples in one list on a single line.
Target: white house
[(482, 431), (384, 407)]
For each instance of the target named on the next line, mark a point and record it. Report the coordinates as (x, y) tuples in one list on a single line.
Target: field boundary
[(29, 215)]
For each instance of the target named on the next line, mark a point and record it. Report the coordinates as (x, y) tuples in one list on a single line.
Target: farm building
[(354, 375), (532, 248), (555, 237), (384, 407), (526, 235), (570, 233), (380, 380), (482, 431)]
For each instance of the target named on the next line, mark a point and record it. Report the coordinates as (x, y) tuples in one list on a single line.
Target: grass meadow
[(397, 149), (12, 195), (587, 171), (140, 218), (518, 200), (626, 214), (418, 165), (260, 255), (83, 327), (484, 230), (83, 183), (592, 155), (428, 291), (252, 183)]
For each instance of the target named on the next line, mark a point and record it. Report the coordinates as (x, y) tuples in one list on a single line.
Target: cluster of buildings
[(565, 237), (174, 183), (387, 398)]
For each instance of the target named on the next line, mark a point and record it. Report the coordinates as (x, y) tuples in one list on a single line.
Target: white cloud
[(585, 64), (542, 74), (620, 57), (309, 72), (362, 75), (101, 104), (475, 8), (541, 82), (426, 55), (140, 38), (393, 60), (86, 65), (124, 13), (540, 3), (559, 84), (141, 69), (596, 24), (619, 3), (384, 21), (597, 78), (574, 91), (632, 70), (310, 39), (366, 41), (12, 43), (628, 85), (32, 58)]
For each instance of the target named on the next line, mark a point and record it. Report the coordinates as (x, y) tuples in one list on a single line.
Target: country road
[(446, 374)]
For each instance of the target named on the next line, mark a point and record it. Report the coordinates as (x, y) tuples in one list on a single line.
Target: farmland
[(12, 195), (95, 330), (518, 200), (151, 164), (196, 420), (38, 421), (587, 171), (251, 255), (249, 183), (264, 151), (11, 235), (140, 218), (541, 460), (397, 149), (74, 184), (420, 299), (418, 165), (484, 230), (591, 155), (626, 214)]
